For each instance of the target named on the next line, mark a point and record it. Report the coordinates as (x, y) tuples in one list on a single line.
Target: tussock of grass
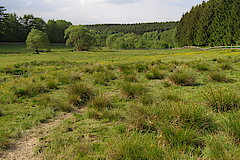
[(101, 102), (155, 74), (130, 78), (183, 76), (221, 147), (52, 84), (232, 126), (222, 100), (218, 77), (141, 67), (132, 90), (134, 146), (226, 66), (79, 94), (201, 66), (126, 69), (31, 89), (54, 103), (104, 77), (109, 115)]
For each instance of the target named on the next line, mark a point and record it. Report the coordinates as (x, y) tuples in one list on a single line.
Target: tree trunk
[(37, 51)]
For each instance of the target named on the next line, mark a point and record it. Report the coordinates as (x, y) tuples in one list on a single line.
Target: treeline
[(153, 40), (212, 23), (15, 29), (138, 28)]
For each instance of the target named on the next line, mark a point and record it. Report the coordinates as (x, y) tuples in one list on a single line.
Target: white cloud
[(103, 11)]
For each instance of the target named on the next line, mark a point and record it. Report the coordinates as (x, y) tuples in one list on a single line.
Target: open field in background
[(140, 104)]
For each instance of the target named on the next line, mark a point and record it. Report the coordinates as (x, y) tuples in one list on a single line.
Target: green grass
[(140, 104)]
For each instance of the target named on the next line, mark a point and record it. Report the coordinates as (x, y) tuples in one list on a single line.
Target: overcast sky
[(102, 11)]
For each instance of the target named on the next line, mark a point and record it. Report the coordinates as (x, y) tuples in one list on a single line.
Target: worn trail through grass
[(24, 148)]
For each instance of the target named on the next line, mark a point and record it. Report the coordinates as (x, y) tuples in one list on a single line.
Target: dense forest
[(212, 23), (138, 28)]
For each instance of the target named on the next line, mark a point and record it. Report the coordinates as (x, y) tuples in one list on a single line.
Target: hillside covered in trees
[(214, 23), (138, 28)]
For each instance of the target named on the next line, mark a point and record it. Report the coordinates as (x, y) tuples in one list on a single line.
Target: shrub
[(101, 102), (132, 90), (183, 76), (104, 77), (79, 94), (218, 77), (222, 100), (155, 74)]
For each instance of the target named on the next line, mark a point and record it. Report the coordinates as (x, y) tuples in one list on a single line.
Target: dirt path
[(24, 148)]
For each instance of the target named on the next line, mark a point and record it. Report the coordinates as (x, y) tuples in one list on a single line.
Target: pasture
[(135, 104)]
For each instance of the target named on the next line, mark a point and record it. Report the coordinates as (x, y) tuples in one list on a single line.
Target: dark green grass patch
[(222, 100), (79, 94)]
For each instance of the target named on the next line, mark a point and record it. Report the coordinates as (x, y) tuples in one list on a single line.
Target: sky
[(102, 11)]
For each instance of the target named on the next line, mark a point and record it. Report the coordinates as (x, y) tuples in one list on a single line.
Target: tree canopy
[(215, 23), (37, 40), (79, 37)]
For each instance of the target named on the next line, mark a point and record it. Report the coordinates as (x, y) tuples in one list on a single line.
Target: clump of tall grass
[(221, 147), (226, 66), (170, 96), (132, 90), (218, 77), (79, 94), (89, 69), (76, 75), (154, 117), (232, 125), (155, 74), (134, 145), (101, 102), (110, 115), (183, 76), (201, 66), (55, 103), (31, 89), (130, 78), (1, 113), (222, 100), (126, 68), (141, 67), (104, 78), (52, 84)]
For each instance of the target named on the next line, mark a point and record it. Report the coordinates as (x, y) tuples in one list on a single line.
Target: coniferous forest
[(212, 23)]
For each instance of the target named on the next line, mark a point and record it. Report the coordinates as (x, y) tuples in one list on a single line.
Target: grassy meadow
[(139, 104)]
